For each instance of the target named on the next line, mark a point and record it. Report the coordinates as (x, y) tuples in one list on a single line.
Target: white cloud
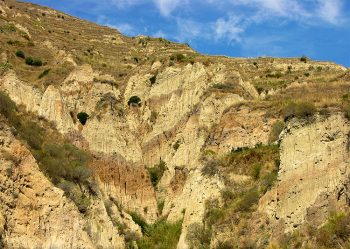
[(166, 7), (125, 3), (331, 11), (306, 11), (230, 28), (124, 28)]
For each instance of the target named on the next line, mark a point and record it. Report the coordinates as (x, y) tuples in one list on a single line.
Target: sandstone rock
[(314, 163)]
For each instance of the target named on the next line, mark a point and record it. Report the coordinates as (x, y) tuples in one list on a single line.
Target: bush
[(153, 79), (176, 145), (33, 62), (161, 235), (29, 61), (211, 167), (198, 236), (20, 54), (347, 111), (248, 200), (44, 73), (82, 117), (302, 110), (7, 106), (134, 100), (178, 57), (304, 59), (335, 231), (276, 130), (255, 171), (156, 173), (37, 63), (139, 220)]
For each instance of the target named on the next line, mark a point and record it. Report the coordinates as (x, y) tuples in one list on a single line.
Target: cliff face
[(314, 171), (34, 213), (190, 106)]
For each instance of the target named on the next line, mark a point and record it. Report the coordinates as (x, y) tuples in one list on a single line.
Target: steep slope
[(169, 131)]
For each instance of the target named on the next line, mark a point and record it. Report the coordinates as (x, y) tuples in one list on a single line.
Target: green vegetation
[(276, 130), (44, 73), (5, 66), (177, 57), (181, 58), (82, 117), (199, 236), (347, 111), (139, 220), (20, 54), (161, 235), (9, 27), (301, 110), (223, 86), (156, 172), (62, 162), (33, 62), (153, 79), (335, 233), (239, 201), (176, 145), (304, 59), (134, 100)]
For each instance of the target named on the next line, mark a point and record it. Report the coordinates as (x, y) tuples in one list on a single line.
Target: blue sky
[(319, 29)]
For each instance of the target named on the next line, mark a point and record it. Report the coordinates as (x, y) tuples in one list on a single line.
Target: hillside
[(108, 141)]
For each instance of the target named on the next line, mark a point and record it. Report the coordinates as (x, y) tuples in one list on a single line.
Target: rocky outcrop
[(35, 214), (314, 165), (20, 92), (53, 108), (32, 208), (129, 185)]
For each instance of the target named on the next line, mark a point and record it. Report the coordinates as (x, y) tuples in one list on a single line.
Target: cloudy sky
[(319, 29)]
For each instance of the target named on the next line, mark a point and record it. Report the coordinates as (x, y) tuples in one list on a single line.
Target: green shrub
[(82, 117), (161, 235), (347, 111), (276, 130), (304, 59), (198, 236), (255, 171), (153, 79), (213, 215), (134, 100), (33, 62), (37, 63), (20, 54), (302, 110), (7, 106), (5, 66), (223, 86), (248, 200), (139, 220), (29, 61), (335, 231), (178, 57), (156, 172), (177, 145), (211, 167), (160, 205), (44, 73)]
